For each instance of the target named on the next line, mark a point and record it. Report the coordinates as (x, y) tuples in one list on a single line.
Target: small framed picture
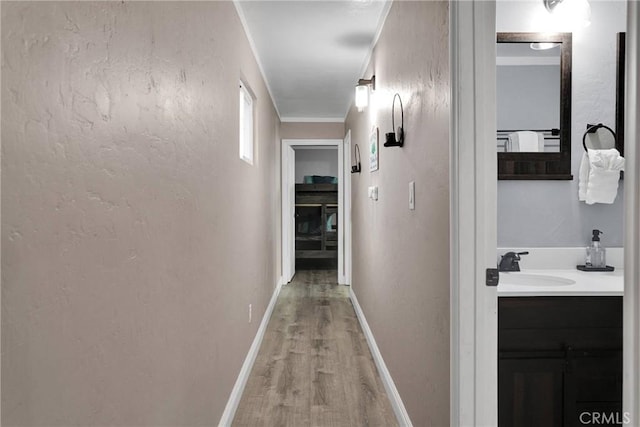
[(373, 150)]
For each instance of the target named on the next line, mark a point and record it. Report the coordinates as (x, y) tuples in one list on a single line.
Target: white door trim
[(341, 218), (347, 209), (631, 299), (288, 249), (474, 373)]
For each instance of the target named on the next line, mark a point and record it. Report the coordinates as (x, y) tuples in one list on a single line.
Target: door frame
[(474, 334), (631, 299), (288, 222), (287, 175), (473, 305), (348, 224)]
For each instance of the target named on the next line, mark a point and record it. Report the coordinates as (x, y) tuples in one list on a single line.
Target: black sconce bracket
[(371, 81), (396, 139)]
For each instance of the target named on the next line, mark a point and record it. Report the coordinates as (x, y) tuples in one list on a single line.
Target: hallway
[(314, 366), (142, 213)]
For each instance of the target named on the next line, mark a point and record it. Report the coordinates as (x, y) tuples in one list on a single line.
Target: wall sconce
[(362, 92), (396, 139), (356, 157), (575, 11)]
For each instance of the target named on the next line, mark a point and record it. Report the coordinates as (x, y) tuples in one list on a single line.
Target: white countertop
[(586, 284)]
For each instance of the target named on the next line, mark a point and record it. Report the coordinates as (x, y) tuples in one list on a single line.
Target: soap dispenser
[(596, 256)]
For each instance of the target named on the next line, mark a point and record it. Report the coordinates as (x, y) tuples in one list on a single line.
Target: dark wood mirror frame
[(620, 76), (540, 166)]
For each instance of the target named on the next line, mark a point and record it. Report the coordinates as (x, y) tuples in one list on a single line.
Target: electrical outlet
[(250, 313), (412, 195)]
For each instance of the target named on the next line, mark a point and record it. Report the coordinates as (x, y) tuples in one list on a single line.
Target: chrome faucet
[(509, 261)]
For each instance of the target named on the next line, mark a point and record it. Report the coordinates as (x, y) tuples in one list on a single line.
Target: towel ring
[(594, 129)]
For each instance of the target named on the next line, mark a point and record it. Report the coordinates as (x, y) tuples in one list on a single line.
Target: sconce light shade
[(362, 92), (362, 97)]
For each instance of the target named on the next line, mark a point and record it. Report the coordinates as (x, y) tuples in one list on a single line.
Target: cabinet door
[(593, 387), (530, 390)]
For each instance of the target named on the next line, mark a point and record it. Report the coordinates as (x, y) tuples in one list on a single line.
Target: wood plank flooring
[(314, 367)]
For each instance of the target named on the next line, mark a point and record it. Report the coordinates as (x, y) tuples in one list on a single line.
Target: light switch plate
[(412, 195)]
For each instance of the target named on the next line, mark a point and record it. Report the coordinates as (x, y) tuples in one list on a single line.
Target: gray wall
[(401, 257), (133, 236), (316, 162), (548, 213)]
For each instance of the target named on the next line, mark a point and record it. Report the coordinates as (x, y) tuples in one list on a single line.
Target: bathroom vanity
[(559, 347)]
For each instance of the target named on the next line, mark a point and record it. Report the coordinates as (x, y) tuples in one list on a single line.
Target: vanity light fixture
[(356, 157), (551, 4), (396, 139), (576, 11), (362, 92)]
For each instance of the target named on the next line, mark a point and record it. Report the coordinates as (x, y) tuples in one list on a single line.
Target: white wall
[(548, 213), (312, 161)]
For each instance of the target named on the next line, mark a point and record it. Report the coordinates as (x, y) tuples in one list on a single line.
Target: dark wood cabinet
[(559, 358)]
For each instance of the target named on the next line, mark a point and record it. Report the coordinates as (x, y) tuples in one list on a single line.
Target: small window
[(246, 124)]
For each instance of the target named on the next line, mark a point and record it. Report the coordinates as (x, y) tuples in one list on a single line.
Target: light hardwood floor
[(314, 367)]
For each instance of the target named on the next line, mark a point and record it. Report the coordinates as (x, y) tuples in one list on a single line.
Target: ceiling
[(312, 52)]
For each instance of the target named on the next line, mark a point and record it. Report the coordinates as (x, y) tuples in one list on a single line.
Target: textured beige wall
[(133, 237), (401, 257), (309, 130)]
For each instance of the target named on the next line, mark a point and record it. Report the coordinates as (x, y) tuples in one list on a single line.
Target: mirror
[(528, 98), (533, 96)]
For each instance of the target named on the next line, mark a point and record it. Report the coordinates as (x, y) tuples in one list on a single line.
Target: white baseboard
[(394, 397), (241, 382)]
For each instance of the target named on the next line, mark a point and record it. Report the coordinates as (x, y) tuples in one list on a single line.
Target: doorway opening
[(316, 208), (314, 192)]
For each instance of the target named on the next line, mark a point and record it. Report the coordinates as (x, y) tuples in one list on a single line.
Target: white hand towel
[(526, 141), (512, 143), (599, 176), (583, 177)]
